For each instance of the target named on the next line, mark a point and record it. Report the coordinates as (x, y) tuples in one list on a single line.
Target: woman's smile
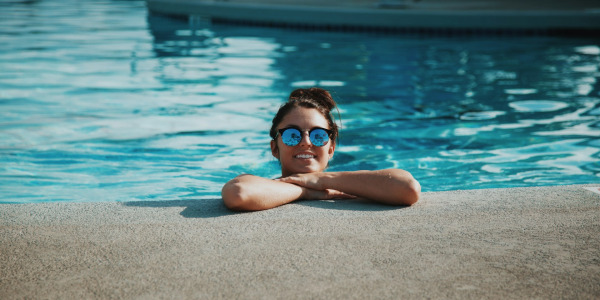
[(305, 156)]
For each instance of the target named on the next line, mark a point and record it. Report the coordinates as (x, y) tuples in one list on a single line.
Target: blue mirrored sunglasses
[(292, 136)]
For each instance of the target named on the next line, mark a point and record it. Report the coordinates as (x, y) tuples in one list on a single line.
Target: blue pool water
[(101, 102)]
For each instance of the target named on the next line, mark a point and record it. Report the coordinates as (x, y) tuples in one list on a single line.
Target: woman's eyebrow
[(299, 128), (291, 126)]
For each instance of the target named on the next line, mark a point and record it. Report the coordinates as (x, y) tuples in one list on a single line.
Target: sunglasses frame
[(282, 130)]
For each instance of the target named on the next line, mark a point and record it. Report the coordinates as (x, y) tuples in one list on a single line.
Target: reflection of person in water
[(304, 135)]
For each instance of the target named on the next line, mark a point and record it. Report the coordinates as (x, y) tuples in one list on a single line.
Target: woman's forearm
[(249, 193), (390, 186)]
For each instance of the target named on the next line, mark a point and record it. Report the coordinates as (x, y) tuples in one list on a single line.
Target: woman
[(303, 140)]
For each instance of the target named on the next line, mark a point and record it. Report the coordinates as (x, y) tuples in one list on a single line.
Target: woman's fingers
[(309, 180), (333, 194), (292, 179), (327, 194)]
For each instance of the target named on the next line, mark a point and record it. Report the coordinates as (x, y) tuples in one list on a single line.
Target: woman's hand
[(307, 180), (327, 194), (313, 187)]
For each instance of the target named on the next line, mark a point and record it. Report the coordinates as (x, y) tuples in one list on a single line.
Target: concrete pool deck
[(541, 242), (565, 17)]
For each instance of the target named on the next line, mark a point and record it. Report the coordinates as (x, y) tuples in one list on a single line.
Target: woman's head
[(305, 110), (316, 98)]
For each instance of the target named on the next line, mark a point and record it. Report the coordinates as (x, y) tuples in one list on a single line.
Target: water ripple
[(110, 103)]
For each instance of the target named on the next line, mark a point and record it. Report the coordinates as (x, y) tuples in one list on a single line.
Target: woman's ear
[(274, 149), (331, 150)]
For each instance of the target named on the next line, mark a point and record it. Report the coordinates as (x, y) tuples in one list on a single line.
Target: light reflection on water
[(105, 103)]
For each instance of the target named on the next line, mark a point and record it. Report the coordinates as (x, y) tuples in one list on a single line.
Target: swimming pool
[(101, 102)]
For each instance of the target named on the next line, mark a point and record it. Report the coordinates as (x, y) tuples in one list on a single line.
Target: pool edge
[(464, 243)]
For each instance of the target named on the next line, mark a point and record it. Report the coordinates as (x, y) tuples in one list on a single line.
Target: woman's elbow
[(412, 192), (234, 195), (409, 189)]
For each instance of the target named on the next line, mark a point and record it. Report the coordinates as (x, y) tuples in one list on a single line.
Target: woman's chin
[(304, 169)]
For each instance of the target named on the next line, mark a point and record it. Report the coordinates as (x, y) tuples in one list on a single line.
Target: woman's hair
[(314, 97)]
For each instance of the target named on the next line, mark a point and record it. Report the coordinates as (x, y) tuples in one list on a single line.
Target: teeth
[(304, 156)]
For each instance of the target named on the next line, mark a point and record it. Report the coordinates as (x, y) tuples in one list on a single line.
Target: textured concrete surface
[(523, 243)]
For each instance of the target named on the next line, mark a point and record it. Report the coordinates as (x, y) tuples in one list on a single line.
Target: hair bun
[(319, 95)]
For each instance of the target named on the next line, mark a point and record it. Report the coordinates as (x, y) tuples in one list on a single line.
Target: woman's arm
[(249, 192), (390, 186)]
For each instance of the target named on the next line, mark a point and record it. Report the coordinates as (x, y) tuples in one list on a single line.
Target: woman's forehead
[(305, 118)]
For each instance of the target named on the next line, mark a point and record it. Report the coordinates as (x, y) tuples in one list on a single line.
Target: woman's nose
[(305, 141)]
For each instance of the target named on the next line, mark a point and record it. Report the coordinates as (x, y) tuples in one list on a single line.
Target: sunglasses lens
[(291, 136), (319, 137)]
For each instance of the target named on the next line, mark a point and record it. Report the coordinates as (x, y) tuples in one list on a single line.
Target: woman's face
[(304, 157)]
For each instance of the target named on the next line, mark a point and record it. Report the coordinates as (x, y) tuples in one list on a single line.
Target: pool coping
[(538, 242), (502, 17)]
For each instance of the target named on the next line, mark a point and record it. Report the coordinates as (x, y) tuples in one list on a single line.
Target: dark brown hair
[(314, 97)]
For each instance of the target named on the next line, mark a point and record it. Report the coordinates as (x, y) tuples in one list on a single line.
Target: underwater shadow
[(354, 205), (193, 208)]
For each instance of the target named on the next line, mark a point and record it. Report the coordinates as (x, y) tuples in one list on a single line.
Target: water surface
[(101, 102)]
